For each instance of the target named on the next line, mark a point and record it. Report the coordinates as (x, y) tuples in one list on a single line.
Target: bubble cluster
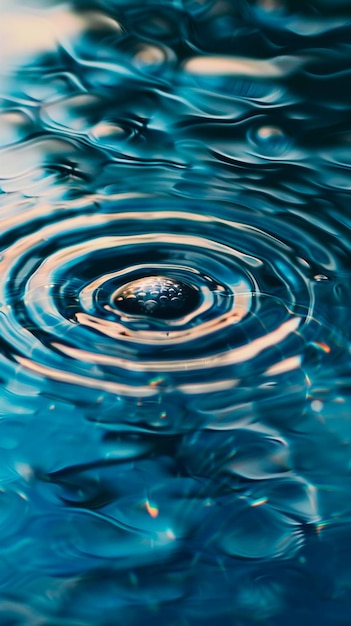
[(157, 296)]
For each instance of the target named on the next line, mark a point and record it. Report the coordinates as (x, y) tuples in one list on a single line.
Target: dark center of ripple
[(157, 296)]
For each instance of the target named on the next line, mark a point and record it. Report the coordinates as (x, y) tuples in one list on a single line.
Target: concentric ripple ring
[(215, 299)]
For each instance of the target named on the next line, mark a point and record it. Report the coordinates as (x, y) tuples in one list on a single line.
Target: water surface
[(185, 457)]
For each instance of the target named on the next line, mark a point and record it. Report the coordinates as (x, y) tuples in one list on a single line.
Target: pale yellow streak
[(241, 66), (221, 385), (222, 359), (25, 33), (287, 365), (86, 381), (120, 332)]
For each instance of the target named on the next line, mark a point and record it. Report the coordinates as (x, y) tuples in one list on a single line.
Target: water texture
[(175, 313)]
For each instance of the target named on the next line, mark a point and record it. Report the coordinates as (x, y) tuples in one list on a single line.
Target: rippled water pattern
[(175, 313)]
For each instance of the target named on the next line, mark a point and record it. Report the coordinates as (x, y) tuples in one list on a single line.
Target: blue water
[(185, 459)]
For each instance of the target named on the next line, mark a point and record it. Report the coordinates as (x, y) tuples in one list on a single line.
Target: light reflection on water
[(189, 468)]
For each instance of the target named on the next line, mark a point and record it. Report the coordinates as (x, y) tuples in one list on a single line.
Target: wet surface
[(174, 313)]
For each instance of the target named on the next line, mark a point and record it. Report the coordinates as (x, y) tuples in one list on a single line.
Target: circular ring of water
[(60, 283)]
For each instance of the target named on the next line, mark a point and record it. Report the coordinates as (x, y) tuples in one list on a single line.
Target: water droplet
[(270, 140), (156, 297)]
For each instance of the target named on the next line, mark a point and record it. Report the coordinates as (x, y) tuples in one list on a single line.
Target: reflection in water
[(174, 313)]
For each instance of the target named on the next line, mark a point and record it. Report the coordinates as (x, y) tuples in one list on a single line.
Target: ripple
[(62, 283), (112, 540), (259, 534), (183, 454), (13, 513)]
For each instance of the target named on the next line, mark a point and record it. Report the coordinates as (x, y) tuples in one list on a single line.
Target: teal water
[(175, 313)]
